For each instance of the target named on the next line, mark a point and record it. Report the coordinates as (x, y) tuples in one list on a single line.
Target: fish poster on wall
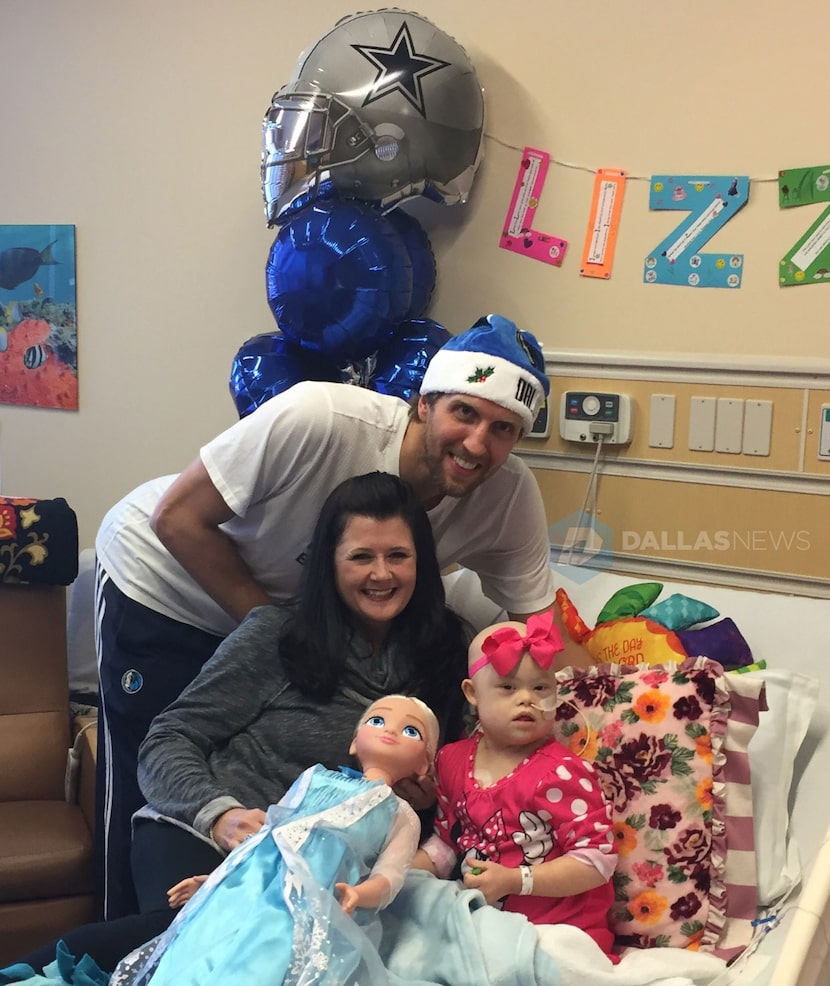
[(38, 317)]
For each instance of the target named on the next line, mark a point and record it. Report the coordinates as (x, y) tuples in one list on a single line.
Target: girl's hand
[(182, 892), (235, 825), (492, 879)]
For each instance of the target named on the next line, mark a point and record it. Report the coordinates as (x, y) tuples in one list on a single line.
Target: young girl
[(287, 902), (528, 818)]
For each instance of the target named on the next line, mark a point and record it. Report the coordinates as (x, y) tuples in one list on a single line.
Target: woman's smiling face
[(375, 571)]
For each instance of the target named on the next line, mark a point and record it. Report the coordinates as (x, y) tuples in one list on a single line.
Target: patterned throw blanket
[(38, 541)]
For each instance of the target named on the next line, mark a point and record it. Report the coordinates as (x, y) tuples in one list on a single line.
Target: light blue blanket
[(435, 932)]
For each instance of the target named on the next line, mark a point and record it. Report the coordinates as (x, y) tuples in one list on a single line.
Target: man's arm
[(186, 521), (573, 655)]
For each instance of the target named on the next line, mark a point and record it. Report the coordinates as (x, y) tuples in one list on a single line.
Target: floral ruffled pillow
[(655, 734)]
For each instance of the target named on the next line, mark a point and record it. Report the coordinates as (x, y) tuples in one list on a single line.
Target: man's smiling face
[(465, 440)]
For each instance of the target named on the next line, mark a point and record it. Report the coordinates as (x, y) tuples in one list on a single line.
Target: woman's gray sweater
[(240, 734)]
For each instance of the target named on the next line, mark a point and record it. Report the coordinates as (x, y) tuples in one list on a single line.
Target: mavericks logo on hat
[(527, 394)]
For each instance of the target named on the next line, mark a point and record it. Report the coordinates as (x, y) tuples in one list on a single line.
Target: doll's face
[(392, 736)]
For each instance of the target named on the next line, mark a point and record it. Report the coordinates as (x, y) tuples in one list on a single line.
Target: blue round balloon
[(402, 362), (339, 279), (421, 257), (268, 364)]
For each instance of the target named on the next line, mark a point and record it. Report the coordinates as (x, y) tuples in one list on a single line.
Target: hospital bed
[(791, 946)]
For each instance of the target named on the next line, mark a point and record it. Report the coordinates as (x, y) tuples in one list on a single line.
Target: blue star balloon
[(401, 363), (338, 279), (421, 257), (268, 364)]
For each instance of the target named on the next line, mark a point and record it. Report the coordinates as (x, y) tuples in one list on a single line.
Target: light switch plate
[(661, 421), (757, 427), (702, 424), (729, 425)]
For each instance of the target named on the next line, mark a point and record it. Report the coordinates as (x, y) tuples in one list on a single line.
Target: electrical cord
[(588, 504)]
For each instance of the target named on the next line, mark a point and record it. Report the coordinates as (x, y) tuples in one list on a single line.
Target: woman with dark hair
[(283, 691), (311, 648)]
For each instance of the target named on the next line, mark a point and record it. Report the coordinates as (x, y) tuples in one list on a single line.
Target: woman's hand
[(418, 791), (235, 825), (493, 880), (182, 892)]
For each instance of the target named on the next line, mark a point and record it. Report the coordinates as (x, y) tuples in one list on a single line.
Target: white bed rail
[(804, 959)]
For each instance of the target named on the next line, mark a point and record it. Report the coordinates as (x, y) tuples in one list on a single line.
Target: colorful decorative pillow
[(659, 633), (629, 601), (628, 640), (677, 612), (634, 640), (677, 775), (722, 642)]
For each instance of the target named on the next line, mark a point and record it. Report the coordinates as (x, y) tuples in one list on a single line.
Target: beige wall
[(139, 123), (748, 508)]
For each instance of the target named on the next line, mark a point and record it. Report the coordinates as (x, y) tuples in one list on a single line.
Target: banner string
[(573, 166)]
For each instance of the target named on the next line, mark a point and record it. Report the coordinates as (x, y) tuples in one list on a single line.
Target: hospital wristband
[(527, 880)]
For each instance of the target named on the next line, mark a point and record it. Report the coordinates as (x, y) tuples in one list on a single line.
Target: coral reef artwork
[(38, 316)]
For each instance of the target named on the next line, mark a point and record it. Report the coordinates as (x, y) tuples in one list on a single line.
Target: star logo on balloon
[(400, 69)]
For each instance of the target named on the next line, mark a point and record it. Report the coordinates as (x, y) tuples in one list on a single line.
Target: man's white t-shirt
[(274, 469)]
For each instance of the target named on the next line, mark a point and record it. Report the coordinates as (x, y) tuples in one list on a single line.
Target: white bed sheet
[(575, 953)]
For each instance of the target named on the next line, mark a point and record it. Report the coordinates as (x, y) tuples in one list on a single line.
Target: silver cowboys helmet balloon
[(383, 107)]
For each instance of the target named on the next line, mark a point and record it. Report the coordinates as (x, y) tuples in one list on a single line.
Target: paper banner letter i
[(518, 234), (601, 238)]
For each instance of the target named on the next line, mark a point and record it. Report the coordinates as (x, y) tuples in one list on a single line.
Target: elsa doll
[(298, 902)]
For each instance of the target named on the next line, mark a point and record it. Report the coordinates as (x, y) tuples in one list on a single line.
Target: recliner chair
[(46, 845)]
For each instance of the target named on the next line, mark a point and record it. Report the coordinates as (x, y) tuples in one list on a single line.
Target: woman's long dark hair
[(429, 638)]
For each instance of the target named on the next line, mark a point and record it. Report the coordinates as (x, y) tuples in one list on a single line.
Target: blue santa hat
[(496, 361)]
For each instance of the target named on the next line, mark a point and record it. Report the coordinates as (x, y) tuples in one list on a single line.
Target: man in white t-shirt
[(184, 558)]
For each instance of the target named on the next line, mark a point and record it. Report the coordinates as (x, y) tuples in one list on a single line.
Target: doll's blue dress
[(269, 913)]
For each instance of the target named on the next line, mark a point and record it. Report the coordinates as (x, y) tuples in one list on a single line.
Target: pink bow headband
[(504, 647)]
